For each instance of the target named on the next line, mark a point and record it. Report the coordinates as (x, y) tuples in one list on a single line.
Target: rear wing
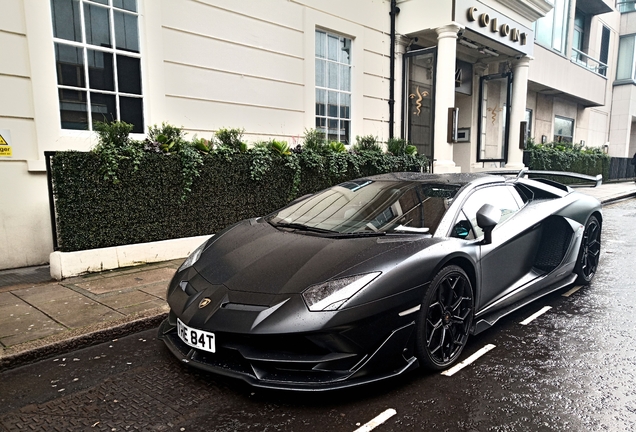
[(525, 172)]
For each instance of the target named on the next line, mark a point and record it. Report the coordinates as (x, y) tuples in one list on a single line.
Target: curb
[(81, 340), (622, 197)]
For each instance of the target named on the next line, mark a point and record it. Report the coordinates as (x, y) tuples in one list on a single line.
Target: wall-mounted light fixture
[(490, 52), (480, 48), (544, 139), (468, 44)]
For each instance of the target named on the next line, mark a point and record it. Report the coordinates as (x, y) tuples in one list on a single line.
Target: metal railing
[(590, 63)]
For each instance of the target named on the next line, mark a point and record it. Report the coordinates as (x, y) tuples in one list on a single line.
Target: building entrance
[(419, 103), (494, 118)]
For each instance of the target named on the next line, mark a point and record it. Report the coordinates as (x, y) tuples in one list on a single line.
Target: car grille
[(276, 358)]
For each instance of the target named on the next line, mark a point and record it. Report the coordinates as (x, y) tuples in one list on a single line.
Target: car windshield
[(368, 206)]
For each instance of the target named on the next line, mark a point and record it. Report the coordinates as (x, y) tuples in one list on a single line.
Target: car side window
[(499, 196), (463, 228)]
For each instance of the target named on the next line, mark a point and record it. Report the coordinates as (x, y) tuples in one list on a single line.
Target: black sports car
[(373, 277)]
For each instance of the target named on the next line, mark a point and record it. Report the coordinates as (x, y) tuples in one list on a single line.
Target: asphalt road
[(571, 369)]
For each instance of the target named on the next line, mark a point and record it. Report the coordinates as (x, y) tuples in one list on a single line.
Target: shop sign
[(5, 143), (494, 25)]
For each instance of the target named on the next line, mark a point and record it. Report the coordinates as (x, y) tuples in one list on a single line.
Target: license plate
[(196, 338)]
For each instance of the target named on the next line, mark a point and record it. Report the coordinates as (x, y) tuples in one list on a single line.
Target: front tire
[(589, 253), (445, 318)]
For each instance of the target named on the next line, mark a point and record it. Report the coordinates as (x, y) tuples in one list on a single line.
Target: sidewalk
[(40, 317)]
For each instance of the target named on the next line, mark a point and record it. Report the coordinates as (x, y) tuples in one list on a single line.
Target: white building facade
[(467, 81)]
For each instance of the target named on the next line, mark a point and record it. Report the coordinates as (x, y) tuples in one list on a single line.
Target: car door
[(508, 259)]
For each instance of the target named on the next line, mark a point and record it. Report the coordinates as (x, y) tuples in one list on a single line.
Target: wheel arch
[(465, 264), (598, 215)]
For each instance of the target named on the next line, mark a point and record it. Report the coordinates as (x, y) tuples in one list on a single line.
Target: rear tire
[(589, 252), (444, 319)]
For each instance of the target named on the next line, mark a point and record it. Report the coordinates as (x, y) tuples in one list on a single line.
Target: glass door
[(419, 96), (494, 97)]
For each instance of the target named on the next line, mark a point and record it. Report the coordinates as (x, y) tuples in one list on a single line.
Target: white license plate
[(196, 338)]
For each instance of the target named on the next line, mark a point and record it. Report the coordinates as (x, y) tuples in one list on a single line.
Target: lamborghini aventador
[(376, 276)]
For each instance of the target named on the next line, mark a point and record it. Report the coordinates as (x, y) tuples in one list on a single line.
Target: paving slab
[(7, 298), (44, 294), (21, 322), (128, 280), (25, 275), (141, 307), (127, 299), (78, 311), (157, 289)]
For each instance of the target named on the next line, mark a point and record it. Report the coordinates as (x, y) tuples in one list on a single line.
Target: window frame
[(560, 137), (621, 53), (552, 14), (113, 51), (326, 89), (528, 117)]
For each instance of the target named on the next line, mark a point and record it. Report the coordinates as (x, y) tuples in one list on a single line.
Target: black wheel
[(590, 251), (445, 318)]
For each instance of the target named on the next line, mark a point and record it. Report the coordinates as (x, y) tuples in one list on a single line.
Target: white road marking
[(536, 315), (377, 421), (410, 311), (459, 366), (572, 291)]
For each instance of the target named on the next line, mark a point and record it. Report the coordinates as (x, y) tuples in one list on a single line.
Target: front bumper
[(300, 362)]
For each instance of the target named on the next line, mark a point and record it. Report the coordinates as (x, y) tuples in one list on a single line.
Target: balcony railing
[(594, 65), (625, 6)]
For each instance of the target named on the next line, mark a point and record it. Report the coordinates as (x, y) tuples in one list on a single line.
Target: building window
[(578, 37), (98, 62), (626, 6), (563, 129), (333, 86), (580, 45), (605, 45), (551, 30), (528, 120), (625, 64)]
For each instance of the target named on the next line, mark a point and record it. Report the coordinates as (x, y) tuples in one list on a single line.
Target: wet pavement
[(571, 369), (40, 319)]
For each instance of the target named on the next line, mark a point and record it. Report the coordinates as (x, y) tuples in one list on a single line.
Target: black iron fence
[(621, 168)]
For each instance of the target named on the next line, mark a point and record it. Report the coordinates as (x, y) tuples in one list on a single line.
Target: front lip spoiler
[(356, 378)]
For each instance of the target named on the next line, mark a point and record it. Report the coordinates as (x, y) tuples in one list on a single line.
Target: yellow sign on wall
[(5, 148)]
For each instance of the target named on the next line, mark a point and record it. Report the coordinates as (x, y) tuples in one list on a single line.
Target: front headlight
[(193, 257), (329, 296)]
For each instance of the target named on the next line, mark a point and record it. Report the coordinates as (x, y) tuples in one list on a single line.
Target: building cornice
[(529, 9)]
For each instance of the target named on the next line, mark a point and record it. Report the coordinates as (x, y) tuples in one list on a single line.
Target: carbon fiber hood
[(256, 257)]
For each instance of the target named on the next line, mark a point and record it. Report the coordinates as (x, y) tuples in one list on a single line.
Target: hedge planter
[(148, 204)]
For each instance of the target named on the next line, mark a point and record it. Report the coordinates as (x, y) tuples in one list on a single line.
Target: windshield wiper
[(302, 227), (359, 234), (329, 233)]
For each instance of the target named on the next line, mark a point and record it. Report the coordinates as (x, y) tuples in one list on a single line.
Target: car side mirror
[(488, 217)]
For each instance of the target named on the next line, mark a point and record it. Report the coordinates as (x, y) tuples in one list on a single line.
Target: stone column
[(444, 96), (517, 111)]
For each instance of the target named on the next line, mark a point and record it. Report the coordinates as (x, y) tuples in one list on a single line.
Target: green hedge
[(558, 157), (147, 201)]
